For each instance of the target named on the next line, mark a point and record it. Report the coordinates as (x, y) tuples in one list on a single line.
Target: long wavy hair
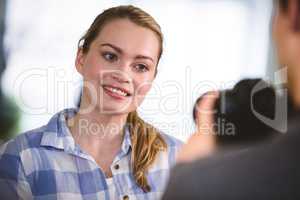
[(146, 141)]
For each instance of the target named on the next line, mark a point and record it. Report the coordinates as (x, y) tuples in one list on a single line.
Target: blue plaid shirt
[(46, 163)]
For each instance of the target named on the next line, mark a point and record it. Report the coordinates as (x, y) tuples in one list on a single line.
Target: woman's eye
[(141, 68), (110, 56)]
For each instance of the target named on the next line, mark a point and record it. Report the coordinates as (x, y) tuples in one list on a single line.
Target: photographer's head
[(286, 30), (286, 35)]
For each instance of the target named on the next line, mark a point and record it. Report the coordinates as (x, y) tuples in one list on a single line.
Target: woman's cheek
[(143, 88), (141, 91), (96, 68)]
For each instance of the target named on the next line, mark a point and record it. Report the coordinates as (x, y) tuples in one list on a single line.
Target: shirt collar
[(126, 144), (57, 133)]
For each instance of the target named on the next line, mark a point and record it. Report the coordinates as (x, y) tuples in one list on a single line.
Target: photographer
[(231, 131), (267, 171)]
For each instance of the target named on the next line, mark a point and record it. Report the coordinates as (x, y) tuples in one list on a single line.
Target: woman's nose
[(122, 77), (122, 73)]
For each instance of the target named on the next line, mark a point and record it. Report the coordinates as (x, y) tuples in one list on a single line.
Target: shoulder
[(166, 158), (224, 171), (32, 139), (11, 165), (171, 141), (22, 142), (173, 146)]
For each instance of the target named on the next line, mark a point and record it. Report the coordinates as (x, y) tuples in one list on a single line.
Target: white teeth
[(117, 91)]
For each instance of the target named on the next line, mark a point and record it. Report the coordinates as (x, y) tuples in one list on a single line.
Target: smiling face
[(119, 67)]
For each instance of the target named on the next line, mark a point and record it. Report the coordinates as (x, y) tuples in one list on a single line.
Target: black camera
[(235, 120)]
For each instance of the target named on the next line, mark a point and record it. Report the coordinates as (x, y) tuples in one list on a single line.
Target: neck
[(94, 125)]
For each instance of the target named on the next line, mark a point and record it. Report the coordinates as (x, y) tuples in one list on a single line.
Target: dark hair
[(283, 4)]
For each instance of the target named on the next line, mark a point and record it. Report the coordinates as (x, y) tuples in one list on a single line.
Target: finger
[(205, 111)]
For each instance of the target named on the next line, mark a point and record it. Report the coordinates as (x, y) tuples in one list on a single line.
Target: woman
[(102, 150)]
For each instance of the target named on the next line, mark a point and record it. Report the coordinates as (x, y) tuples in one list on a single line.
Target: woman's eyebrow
[(120, 51), (144, 57)]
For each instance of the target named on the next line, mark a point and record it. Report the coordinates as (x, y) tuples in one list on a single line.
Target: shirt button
[(117, 167), (125, 197)]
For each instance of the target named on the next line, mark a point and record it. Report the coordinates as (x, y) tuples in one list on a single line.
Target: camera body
[(235, 121)]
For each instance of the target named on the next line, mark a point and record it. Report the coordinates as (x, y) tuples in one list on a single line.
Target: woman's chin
[(113, 110)]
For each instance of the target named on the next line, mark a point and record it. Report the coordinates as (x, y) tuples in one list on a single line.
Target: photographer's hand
[(202, 142)]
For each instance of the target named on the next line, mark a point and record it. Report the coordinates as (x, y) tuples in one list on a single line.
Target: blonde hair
[(146, 140)]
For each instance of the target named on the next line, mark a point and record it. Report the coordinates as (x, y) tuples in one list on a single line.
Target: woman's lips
[(123, 90), (114, 92)]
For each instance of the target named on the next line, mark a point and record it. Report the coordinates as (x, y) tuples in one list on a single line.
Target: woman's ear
[(79, 62)]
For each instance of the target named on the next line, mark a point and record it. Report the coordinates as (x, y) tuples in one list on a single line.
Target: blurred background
[(209, 44)]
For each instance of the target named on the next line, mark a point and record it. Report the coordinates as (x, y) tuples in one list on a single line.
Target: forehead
[(130, 37)]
